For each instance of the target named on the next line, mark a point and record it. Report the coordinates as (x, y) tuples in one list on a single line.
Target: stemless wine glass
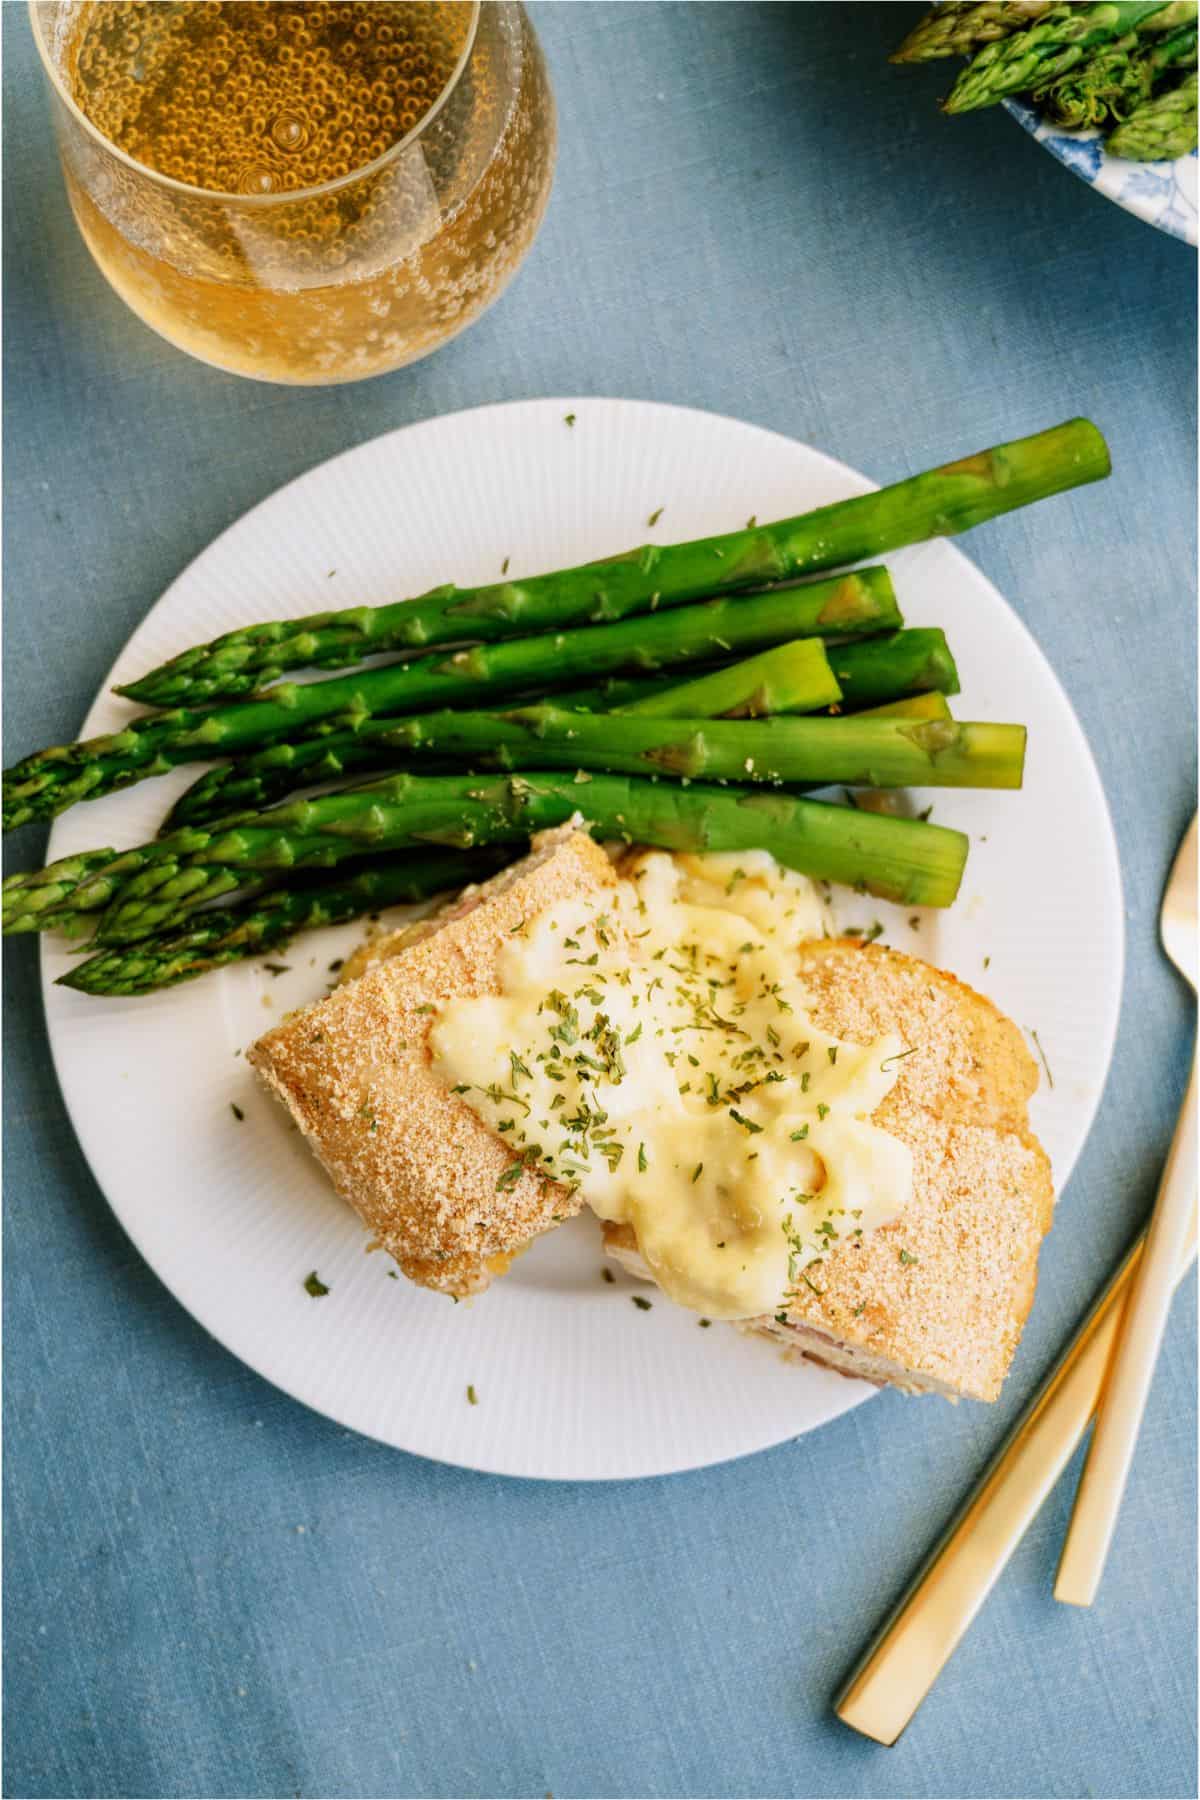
[(328, 283)]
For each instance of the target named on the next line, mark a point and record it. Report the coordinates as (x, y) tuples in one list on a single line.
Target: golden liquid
[(246, 98), (271, 98)]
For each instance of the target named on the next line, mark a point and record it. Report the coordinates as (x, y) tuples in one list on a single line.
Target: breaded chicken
[(935, 1302), (412, 1157)]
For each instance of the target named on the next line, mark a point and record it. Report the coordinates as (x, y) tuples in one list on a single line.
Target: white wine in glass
[(302, 190)]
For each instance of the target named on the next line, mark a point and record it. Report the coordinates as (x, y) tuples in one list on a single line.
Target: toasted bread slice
[(937, 1301), (412, 1157)]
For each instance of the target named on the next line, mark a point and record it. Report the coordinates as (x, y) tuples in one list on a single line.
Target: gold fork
[(1127, 1385)]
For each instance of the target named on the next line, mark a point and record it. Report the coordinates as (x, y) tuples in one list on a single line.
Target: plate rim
[(856, 1393), (1106, 180)]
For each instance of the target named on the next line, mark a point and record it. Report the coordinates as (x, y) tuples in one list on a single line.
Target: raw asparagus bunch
[(1116, 81), (959, 30), (940, 502), (50, 781), (898, 859), (214, 939), (1059, 41), (1161, 128)]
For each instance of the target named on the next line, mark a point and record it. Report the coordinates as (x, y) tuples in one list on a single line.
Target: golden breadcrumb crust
[(412, 1157), (936, 1301)]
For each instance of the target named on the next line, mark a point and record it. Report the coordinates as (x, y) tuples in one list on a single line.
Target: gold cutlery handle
[(1127, 1386), (909, 1652)]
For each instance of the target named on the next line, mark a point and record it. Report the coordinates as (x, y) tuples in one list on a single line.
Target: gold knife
[(908, 1653)]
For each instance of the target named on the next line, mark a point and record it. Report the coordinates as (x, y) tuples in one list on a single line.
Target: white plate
[(573, 1381), (1162, 193)]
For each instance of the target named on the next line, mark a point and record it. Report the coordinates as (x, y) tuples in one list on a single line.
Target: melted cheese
[(653, 1049)]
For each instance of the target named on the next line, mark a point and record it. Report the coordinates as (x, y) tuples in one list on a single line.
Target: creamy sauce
[(651, 1047)]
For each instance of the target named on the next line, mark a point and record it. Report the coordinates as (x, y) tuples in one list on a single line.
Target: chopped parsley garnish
[(822, 1110), (908, 1259), (314, 1285), (472, 1396), (655, 516), (639, 1300), (236, 1110)]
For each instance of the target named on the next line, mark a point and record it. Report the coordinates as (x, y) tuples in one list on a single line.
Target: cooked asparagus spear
[(899, 859), (1050, 47), (883, 668), (792, 678), (958, 30), (213, 939), (898, 663), (938, 503), (785, 750), (1117, 80), (1161, 129), (49, 781)]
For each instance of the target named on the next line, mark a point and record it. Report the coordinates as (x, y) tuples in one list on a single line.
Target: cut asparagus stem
[(214, 939), (792, 678), (1052, 45), (916, 863), (932, 705), (939, 502), (958, 30), (885, 668), (48, 782)]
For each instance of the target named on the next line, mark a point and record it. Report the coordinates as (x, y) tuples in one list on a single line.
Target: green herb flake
[(504, 566), (568, 418), (336, 964), (607, 1275), (643, 1165), (655, 516), (315, 1286), (799, 1136), (822, 1110), (236, 1110), (746, 1124), (510, 1177), (697, 1172), (908, 1259), (277, 968), (642, 1304), (472, 1396)]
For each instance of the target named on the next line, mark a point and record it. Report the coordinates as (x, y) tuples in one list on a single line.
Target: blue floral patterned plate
[(1164, 194)]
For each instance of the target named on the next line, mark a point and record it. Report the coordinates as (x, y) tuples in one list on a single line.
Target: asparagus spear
[(49, 781), (1117, 80), (897, 663), (896, 859), (858, 752), (213, 939), (793, 677), (939, 502), (958, 30), (1161, 129), (884, 668), (1048, 49)]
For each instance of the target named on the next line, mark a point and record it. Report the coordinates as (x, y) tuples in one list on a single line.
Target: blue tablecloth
[(211, 1591)]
